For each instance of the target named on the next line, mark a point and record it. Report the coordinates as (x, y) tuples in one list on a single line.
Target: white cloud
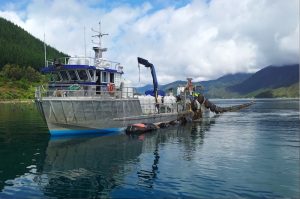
[(13, 17), (198, 40)]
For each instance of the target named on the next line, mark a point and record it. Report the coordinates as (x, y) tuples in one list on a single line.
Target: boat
[(88, 95)]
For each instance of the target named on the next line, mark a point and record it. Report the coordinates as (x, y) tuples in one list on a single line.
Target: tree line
[(21, 56), (19, 82), (16, 73), (19, 47)]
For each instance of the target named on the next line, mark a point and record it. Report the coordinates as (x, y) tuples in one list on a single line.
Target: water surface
[(253, 153)]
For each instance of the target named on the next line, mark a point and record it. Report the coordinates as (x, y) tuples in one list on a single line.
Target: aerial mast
[(98, 48), (84, 42), (45, 52)]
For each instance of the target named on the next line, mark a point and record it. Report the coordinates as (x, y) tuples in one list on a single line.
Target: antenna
[(99, 35), (84, 42), (98, 49), (45, 50)]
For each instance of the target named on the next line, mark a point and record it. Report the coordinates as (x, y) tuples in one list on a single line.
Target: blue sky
[(17, 4), (157, 4), (202, 39), (106, 4)]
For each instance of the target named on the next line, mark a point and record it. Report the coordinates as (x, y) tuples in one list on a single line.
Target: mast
[(45, 52), (98, 48), (84, 42)]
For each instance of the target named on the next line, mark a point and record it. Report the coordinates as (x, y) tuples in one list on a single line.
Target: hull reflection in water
[(95, 166), (105, 166), (89, 167)]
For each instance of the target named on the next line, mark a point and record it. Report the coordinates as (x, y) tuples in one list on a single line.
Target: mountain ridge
[(19, 47), (270, 77), (270, 81)]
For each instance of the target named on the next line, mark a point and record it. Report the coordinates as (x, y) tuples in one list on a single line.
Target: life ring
[(111, 88)]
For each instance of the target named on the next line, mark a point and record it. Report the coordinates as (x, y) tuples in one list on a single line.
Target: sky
[(201, 39)]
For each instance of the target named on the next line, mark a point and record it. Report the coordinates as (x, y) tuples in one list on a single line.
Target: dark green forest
[(19, 82), (21, 56), (19, 47)]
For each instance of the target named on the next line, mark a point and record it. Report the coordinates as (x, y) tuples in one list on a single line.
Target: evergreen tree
[(19, 47)]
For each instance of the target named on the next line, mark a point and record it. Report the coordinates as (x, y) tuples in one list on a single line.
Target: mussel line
[(217, 109)]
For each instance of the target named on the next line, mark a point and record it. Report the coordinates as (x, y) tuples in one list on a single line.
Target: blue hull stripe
[(84, 131)]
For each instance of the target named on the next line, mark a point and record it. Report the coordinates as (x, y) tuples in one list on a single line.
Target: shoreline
[(16, 101)]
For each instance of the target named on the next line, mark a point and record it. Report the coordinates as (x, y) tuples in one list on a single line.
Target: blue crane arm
[(147, 64)]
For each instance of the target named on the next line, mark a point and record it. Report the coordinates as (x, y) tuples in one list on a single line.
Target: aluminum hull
[(66, 116)]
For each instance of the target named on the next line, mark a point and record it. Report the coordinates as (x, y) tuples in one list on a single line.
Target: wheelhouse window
[(54, 77), (104, 77), (83, 75), (112, 78), (92, 74), (73, 75), (64, 75)]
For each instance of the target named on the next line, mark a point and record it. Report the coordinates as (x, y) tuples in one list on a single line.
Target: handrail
[(99, 62), (79, 90), (92, 92)]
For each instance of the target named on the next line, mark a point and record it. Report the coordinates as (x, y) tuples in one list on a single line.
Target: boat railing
[(93, 92), (90, 61), (64, 91)]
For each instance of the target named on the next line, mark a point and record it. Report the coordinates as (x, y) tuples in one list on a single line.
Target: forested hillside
[(19, 82), (21, 56), (211, 88), (218, 88), (272, 81), (271, 77), (19, 47)]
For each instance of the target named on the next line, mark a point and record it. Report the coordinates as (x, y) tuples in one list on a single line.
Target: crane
[(147, 64)]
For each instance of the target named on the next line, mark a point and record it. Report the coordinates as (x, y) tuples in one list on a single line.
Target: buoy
[(140, 128), (163, 125), (174, 122)]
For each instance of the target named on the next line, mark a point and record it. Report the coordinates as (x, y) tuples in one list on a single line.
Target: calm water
[(251, 154)]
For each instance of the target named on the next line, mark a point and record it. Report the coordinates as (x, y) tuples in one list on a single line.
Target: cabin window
[(54, 77), (83, 75), (104, 76), (64, 75), (112, 78), (92, 74), (72, 74)]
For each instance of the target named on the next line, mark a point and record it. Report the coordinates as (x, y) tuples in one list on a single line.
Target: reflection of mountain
[(87, 167), (17, 156), (21, 146)]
